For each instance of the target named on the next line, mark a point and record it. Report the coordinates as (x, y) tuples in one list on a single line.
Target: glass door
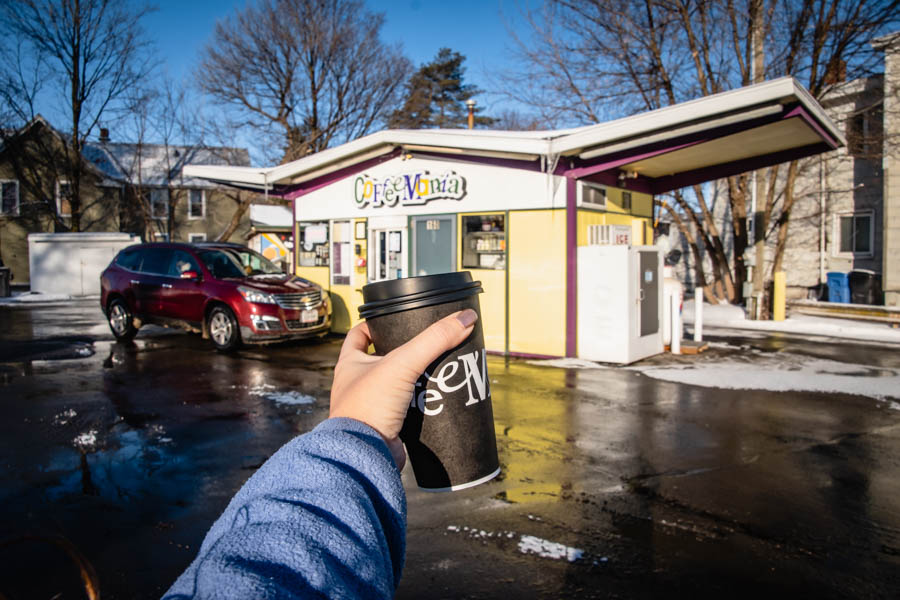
[(434, 245), (389, 260)]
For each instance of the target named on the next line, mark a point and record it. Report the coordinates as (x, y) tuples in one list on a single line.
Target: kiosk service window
[(484, 242), (313, 244)]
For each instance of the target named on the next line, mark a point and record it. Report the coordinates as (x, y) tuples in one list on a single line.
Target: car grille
[(299, 301), (295, 324)]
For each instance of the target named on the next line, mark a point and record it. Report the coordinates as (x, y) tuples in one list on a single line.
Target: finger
[(447, 333), (357, 340)]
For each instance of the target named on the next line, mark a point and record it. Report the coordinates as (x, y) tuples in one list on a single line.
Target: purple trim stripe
[(571, 268), (522, 355), (799, 111), (609, 165)]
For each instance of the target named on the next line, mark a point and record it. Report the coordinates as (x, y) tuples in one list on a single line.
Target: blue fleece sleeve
[(325, 516)]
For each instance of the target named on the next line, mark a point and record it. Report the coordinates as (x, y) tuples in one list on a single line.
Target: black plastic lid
[(395, 295)]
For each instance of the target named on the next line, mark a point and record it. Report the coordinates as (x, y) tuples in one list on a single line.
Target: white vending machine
[(620, 303)]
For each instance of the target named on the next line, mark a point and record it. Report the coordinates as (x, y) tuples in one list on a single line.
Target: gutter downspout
[(822, 208)]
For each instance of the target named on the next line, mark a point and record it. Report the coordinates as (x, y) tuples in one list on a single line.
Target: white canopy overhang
[(671, 147)]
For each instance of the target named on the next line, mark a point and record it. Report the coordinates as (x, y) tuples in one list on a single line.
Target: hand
[(377, 389)]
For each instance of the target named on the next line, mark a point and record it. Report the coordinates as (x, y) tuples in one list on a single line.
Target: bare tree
[(168, 132), (84, 54), (590, 60), (304, 73)]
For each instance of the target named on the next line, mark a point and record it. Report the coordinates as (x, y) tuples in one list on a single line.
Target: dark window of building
[(626, 201), (196, 204), (64, 198), (593, 196), (9, 195), (856, 233), (159, 203)]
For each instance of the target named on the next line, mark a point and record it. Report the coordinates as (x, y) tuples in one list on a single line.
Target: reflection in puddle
[(113, 471)]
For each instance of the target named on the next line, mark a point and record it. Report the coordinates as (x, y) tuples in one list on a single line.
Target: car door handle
[(167, 285)]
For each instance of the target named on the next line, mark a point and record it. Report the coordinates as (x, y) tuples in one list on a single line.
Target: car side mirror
[(190, 275)]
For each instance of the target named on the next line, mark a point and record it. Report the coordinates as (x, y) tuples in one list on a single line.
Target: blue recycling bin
[(838, 287)]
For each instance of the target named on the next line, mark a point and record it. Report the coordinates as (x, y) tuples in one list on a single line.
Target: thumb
[(444, 335)]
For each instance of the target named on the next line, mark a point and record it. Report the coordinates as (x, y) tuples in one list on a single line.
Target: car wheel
[(223, 329), (120, 320)]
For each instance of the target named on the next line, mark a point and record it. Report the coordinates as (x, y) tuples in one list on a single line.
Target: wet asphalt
[(121, 456)]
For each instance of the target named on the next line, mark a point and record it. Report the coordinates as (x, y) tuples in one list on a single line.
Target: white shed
[(71, 263)]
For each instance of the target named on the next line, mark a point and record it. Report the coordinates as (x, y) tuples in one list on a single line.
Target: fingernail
[(467, 317)]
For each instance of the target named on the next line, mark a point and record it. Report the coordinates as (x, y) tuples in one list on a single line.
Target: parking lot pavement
[(615, 482)]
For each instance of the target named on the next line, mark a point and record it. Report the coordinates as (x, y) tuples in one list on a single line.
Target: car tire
[(121, 321), (223, 329)]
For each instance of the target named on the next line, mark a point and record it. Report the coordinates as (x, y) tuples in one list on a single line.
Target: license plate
[(309, 316)]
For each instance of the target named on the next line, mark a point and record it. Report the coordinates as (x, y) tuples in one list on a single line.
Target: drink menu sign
[(407, 189)]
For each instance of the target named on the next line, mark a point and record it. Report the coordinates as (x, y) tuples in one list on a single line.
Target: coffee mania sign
[(407, 189)]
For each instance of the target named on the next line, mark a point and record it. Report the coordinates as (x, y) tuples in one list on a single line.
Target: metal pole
[(676, 324), (698, 315)]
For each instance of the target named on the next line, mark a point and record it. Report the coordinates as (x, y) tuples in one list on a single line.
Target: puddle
[(129, 459)]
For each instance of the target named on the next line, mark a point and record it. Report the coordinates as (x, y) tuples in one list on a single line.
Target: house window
[(865, 132), (196, 204), (626, 201), (855, 234), (9, 197), (196, 237), (159, 203), (64, 198), (593, 196)]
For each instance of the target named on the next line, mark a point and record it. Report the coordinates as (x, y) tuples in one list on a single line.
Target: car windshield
[(254, 263), (222, 264)]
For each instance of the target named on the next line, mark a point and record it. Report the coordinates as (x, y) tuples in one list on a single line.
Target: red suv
[(227, 292)]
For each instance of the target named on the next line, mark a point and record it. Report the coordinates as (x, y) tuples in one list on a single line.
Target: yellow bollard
[(778, 297)]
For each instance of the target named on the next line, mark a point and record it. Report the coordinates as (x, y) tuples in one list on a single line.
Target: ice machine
[(620, 303)]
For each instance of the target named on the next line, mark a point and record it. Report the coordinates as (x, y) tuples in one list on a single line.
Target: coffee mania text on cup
[(407, 189), (450, 378)]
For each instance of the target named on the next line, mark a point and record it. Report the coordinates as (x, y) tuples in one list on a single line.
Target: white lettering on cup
[(474, 377), (426, 396)]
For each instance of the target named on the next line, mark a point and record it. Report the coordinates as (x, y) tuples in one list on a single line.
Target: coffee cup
[(449, 426)]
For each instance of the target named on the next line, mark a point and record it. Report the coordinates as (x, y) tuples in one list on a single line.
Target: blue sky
[(477, 29)]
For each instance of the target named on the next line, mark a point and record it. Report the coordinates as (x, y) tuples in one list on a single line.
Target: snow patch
[(785, 373), (292, 398), (567, 363), (266, 390), (730, 316), (529, 544)]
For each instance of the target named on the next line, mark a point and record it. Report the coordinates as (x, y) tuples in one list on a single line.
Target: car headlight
[(256, 296)]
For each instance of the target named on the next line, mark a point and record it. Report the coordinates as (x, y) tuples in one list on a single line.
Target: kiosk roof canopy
[(715, 136)]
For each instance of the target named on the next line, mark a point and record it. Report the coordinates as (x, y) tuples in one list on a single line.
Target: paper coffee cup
[(449, 427)]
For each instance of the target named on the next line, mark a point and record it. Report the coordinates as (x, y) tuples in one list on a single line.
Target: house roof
[(268, 216), (678, 145), (158, 164), (150, 164)]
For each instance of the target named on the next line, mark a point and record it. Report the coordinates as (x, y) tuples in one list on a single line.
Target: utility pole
[(757, 75)]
